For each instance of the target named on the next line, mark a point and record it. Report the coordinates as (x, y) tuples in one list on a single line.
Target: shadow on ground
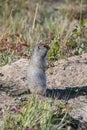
[(67, 93)]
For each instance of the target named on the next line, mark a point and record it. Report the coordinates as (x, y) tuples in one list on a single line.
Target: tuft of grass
[(55, 46), (37, 114)]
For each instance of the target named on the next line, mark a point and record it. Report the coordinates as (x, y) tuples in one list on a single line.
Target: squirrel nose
[(47, 47)]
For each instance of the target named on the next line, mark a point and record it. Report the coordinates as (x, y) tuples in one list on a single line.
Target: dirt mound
[(66, 80)]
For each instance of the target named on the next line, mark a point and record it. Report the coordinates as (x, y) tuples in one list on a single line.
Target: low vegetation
[(23, 23), (38, 114)]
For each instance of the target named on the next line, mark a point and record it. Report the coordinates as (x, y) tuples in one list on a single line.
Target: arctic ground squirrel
[(36, 77)]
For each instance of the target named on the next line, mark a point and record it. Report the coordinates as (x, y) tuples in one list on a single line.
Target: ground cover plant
[(38, 114)]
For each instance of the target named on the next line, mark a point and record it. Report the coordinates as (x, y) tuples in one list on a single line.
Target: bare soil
[(66, 81)]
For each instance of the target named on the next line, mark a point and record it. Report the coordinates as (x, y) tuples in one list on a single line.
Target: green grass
[(39, 114), (26, 22)]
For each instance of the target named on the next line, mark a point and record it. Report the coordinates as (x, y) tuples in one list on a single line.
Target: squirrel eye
[(38, 47)]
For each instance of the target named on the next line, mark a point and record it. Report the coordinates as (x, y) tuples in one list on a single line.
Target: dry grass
[(26, 22)]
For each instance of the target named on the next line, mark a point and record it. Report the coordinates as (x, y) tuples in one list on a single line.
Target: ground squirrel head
[(39, 57), (41, 50)]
